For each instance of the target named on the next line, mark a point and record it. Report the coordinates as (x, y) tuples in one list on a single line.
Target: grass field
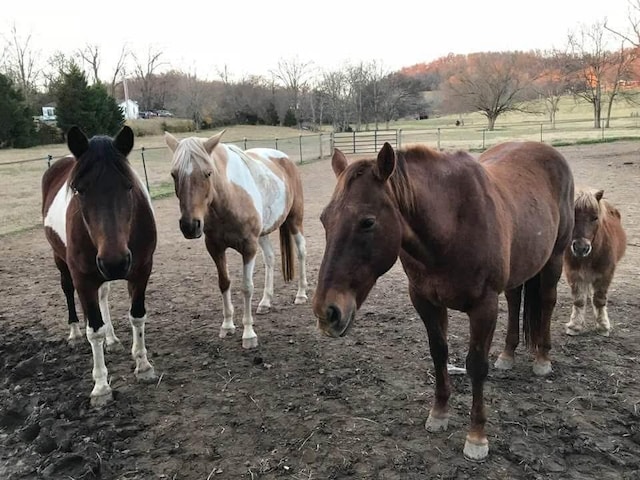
[(20, 182)]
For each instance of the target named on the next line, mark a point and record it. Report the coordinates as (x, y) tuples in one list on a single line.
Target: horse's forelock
[(586, 200), (189, 154), (101, 156)]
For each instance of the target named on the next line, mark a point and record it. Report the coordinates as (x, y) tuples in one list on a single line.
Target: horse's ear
[(386, 162), (124, 140), (77, 141), (211, 142), (338, 162), (171, 141), (599, 194)]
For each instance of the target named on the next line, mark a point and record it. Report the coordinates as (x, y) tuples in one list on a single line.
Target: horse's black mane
[(101, 160)]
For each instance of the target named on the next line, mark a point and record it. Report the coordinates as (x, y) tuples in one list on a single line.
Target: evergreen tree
[(89, 107), (16, 123), (290, 118)]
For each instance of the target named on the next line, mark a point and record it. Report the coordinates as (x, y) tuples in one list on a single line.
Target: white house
[(48, 114), (129, 109)]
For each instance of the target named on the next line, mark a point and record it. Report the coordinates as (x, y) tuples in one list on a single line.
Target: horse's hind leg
[(301, 248), (67, 287), (600, 289), (113, 343), (269, 258), (549, 277), (137, 317), (514, 301)]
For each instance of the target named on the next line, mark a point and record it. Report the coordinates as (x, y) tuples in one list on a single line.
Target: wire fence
[(20, 192)]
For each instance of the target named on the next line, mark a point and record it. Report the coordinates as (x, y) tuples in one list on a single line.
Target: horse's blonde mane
[(585, 199), (191, 153)]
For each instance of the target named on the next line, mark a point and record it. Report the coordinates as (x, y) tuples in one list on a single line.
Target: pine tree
[(16, 124)]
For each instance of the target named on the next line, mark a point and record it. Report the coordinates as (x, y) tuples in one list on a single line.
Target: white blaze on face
[(265, 188), (56, 217)]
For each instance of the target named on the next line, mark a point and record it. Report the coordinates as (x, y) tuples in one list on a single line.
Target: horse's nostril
[(333, 314), (196, 225)]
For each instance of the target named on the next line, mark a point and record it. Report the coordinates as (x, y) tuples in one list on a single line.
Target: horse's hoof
[(226, 331), (99, 401), (476, 451), (453, 370), (250, 342), (542, 369), (75, 342), (115, 347), (603, 331), (504, 363), (148, 375), (573, 331), (435, 424), (262, 309), (301, 300)]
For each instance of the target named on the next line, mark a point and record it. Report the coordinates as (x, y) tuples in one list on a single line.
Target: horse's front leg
[(113, 343), (435, 320), (580, 293), (224, 283), (137, 317), (249, 337), (96, 334), (482, 321), (267, 254), (514, 301), (600, 289)]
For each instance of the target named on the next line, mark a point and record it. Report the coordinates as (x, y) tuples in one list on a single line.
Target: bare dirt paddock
[(304, 406)]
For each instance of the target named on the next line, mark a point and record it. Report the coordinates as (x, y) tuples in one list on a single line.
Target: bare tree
[(553, 81), (491, 83), (91, 56), (589, 49), (633, 37), (146, 72), (119, 69), (294, 75), (334, 87), (621, 70), (22, 62)]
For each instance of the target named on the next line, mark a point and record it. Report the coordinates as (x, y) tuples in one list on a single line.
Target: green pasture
[(20, 195)]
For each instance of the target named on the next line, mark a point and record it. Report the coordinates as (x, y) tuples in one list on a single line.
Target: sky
[(251, 37)]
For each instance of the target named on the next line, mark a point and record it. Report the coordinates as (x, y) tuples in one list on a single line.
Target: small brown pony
[(237, 198), (599, 242), (99, 221), (465, 231)]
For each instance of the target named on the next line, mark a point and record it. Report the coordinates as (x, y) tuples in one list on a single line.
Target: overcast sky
[(249, 37)]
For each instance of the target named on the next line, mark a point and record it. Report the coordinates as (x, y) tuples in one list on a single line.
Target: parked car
[(165, 113), (147, 114)]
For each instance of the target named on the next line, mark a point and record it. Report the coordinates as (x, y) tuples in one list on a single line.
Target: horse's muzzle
[(115, 268), (191, 228), (335, 322), (580, 248)]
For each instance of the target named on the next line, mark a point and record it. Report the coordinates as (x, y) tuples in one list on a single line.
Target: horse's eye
[(594, 218), (207, 174), (77, 191), (367, 223)]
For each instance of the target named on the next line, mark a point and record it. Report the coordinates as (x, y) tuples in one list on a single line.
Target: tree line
[(597, 64)]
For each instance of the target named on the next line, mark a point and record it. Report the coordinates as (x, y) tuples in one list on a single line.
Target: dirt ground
[(301, 405)]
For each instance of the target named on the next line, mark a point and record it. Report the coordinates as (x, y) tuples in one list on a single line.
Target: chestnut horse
[(599, 242), (237, 198), (99, 221), (465, 231)]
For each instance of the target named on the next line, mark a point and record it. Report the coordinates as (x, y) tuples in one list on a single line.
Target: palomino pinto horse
[(599, 242), (99, 221), (237, 198), (465, 231)]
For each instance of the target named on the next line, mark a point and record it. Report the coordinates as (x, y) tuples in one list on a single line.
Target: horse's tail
[(532, 312), (286, 253)]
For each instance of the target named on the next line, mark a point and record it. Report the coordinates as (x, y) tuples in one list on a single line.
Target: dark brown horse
[(598, 244), (465, 231), (99, 221)]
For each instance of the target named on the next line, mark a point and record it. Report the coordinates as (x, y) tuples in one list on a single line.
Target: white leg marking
[(113, 343), (301, 246), (603, 325), (74, 333), (476, 451), (267, 254), (249, 337), (144, 370), (437, 423), (228, 327), (101, 393), (580, 293)]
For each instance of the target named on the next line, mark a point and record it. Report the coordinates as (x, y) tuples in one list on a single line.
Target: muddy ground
[(304, 406)]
